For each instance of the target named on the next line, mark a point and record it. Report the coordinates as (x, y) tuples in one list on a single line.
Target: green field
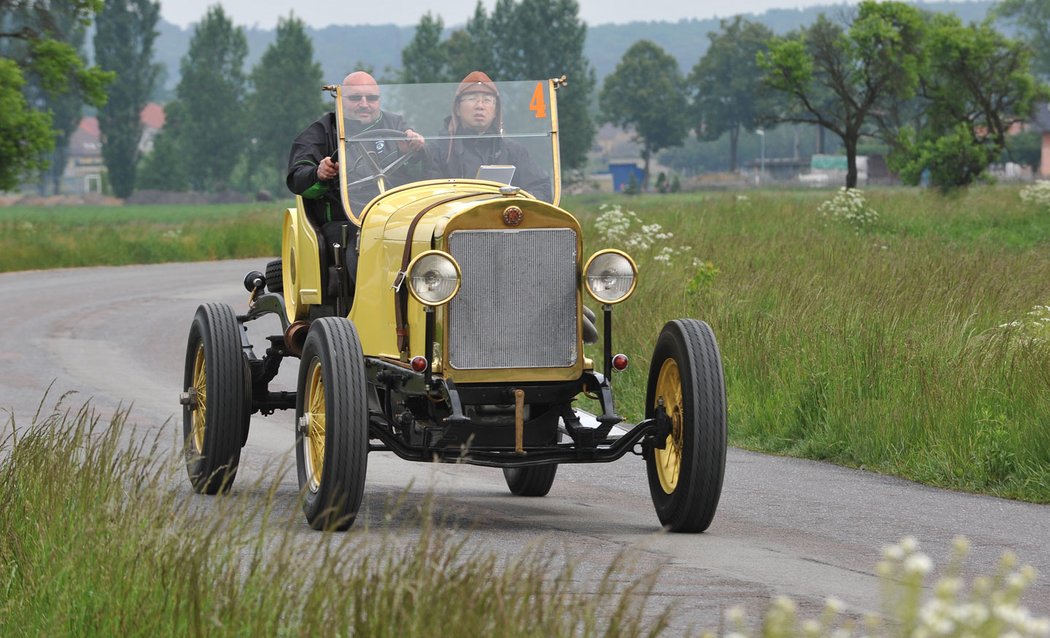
[(70, 236), (911, 342)]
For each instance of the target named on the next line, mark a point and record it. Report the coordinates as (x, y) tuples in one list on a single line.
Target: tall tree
[(976, 85), (471, 48), (66, 108), (209, 136), (726, 84), (556, 50), (646, 93), (1032, 18), (165, 168), (287, 97), (425, 59), (33, 42), (494, 44), (125, 32), (835, 77), (25, 134)]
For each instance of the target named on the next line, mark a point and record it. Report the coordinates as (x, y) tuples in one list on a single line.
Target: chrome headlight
[(433, 278), (610, 276)]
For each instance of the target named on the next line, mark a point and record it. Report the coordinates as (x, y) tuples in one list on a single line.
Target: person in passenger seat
[(475, 139)]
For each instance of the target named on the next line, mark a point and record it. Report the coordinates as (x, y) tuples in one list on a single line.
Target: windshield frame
[(545, 91)]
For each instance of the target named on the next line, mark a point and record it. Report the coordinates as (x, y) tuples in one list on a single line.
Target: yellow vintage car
[(444, 320)]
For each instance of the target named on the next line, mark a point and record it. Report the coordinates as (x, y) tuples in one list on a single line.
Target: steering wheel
[(374, 168)]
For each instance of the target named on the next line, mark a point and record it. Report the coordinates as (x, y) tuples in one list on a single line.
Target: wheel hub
[(197, 397), (669, 393), (313, 427)]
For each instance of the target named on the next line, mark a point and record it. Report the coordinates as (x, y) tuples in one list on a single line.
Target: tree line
[(940, 95)]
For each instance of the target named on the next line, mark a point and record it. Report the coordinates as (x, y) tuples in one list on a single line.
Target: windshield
[(396, 134)]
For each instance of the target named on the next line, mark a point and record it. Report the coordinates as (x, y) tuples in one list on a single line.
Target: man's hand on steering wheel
[(372, 165), (413, 142)]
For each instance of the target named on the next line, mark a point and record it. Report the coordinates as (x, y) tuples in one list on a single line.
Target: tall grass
[(880, 345), (95, 539)]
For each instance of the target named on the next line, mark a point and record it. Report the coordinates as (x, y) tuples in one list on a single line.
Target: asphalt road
[(784, 526)]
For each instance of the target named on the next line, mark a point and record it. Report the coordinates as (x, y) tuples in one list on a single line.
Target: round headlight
[(433, 278), (610, 276)]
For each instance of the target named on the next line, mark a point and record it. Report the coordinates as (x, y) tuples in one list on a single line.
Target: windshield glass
[(396, 134)]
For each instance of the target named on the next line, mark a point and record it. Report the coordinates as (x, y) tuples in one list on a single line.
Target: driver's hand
[(413, 142), (327, 169)]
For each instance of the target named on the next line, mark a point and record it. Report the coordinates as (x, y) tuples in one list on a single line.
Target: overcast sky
[(264, 13)]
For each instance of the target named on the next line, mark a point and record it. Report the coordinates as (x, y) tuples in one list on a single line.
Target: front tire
[(217, 402), (331, 448), (686, 380), (535, 480)]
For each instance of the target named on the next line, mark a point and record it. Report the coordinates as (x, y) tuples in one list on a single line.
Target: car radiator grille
[(517, 304)]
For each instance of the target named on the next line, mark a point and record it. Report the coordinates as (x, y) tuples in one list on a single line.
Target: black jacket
[(321, 140), (470, 153)]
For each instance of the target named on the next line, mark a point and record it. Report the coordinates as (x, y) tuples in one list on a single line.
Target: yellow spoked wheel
[(331, 448), (686, 392), (216, 399), (315, 428), (669, 396), (200, 390)]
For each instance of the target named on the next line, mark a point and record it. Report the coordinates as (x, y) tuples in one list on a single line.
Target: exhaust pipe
[(295, 337)]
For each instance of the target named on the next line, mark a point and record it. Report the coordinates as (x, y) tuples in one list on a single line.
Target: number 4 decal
[(538, 105)]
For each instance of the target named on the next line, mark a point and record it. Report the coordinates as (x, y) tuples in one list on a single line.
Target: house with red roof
[(84, 166)]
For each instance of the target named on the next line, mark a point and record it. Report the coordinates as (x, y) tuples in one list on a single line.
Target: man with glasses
[(313, 171), (475, 139)]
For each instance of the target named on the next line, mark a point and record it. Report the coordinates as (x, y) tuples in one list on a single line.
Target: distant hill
[(341, 49)]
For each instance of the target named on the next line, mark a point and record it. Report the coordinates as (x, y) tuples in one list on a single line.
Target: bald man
[(313, 172)]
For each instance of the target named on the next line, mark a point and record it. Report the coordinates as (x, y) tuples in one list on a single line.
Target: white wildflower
[(1037, 193), (918, 563), (735, 615), (849, 205), (948, 587), (893, 552), (834, 605), (785, 604)]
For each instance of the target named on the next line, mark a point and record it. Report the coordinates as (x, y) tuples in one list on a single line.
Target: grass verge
[(96, 540), (913, 342)]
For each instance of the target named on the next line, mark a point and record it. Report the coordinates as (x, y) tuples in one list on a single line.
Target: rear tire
[(215, 416), (534, 480), (331, 451), (685, 377), (275, 276)]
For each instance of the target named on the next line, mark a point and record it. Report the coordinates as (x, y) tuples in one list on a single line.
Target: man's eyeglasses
[(357, 97), (474, 98)]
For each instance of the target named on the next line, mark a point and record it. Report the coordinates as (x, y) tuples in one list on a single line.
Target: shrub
[(849, 206)]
